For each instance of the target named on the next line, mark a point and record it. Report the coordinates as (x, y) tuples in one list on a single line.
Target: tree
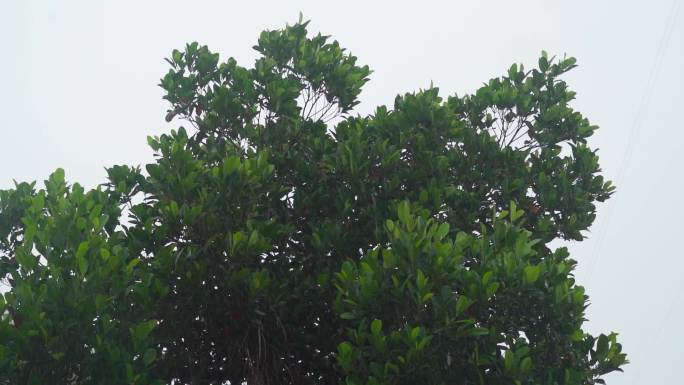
[(281, 240)]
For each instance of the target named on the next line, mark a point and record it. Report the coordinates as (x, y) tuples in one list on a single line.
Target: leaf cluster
[(280, 240)]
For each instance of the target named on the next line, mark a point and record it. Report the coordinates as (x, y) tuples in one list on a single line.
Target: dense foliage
[(281, 240)]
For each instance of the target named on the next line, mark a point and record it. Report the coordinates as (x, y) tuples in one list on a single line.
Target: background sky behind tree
[(79, 92)]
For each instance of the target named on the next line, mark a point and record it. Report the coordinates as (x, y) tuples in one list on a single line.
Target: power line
[(624, 165), (634, 131)]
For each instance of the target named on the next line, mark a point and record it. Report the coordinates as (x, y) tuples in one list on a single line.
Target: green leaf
[(29, 233), (81, 259), (421, 280), (602, 347), (176, 55), (515, 213), (82, 249), (486, 277), (478, 331), (376, 327), (442, 231), (153, 143), (404, 211), (253, 238), (525, 364), (347, 315), (57, 176), (571, 61), (149, 356), (577, 335), (390, 225), (543, 64), (344, 355), (231, 165), (413, 335), (388, 259), (142, 330), (492, 288), (462, 304), (129, 373), (513, 70), (509, 360), (132, 264), (25, 259), (344, 348), (532, 273)]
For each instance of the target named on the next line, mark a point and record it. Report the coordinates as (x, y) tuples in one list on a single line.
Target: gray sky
[(79, 91)]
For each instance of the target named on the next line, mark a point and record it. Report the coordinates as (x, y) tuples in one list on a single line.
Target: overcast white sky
[(79, 91)]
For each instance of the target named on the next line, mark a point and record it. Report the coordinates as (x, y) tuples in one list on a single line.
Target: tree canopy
[(280, 239)]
